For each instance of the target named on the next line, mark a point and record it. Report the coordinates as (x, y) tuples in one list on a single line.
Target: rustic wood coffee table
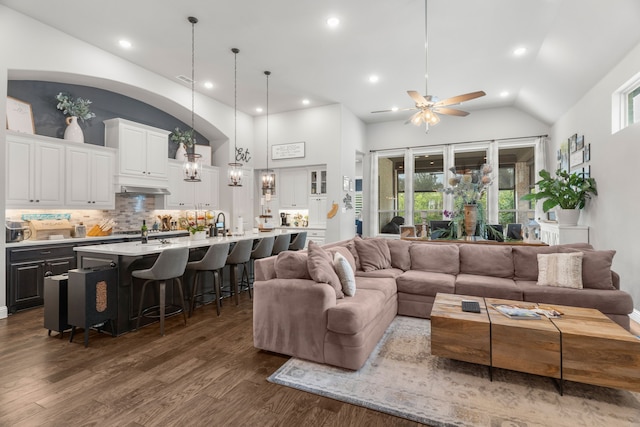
[(583, 345)]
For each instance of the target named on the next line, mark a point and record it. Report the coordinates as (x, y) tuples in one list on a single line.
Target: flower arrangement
[(470, 187), (192, 226), (78, 107), (184, 137)]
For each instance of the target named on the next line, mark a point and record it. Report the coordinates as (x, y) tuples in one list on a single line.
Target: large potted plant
[(567, 192)]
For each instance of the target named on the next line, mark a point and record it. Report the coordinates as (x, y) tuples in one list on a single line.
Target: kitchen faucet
[(224, 222)]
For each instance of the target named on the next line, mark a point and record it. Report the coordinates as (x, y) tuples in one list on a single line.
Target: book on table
[(516, 312)]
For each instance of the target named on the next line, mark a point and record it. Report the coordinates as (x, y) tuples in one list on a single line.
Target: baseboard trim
[(635, 316), (4, 312)]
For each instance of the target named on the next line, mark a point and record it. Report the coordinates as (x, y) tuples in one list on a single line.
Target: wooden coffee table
[(583, 345)]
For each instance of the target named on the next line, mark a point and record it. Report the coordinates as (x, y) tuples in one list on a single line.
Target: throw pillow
[(596, 267), (435, 257), (292, 265), (345, 253), (562, 270), (345, 274), (400, 257), (320, 266), (373, 253), (351, 245)]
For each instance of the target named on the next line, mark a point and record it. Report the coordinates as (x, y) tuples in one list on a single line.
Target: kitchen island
[(129, 256)]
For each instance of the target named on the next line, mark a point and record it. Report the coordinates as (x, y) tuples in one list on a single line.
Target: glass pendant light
[(192, 166), (235, 171), (267, 176)]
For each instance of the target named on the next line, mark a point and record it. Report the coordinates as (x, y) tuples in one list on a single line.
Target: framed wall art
[(291, 150), (19, 116)]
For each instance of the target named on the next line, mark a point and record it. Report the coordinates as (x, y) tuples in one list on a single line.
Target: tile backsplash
[(128, 214)]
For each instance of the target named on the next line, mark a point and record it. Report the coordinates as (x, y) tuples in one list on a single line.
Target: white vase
[(73, 132), (199, 235), (567, 216), (180, 152)]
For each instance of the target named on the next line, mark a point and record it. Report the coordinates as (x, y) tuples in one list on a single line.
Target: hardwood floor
[(207, 373)]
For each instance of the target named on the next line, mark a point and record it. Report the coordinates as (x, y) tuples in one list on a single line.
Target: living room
[(42, 54)]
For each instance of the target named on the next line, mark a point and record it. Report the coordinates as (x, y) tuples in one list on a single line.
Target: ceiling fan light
[(434, 119)]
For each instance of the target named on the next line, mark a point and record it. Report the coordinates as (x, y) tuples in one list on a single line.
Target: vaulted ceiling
[(570, 44)]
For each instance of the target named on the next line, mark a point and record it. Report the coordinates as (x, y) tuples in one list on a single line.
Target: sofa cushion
[(351, 245), (525, 260), (292, 265), (320, 265), (562, 269), (351, 315), (373, 253), (385, 272), (596, 268), (345, 253), (607, 301), (386, 285), (435, 257), (487, 286), (486, 260), (426, 283), (400, 257), (345, 274)]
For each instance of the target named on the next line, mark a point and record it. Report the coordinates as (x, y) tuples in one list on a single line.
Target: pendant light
[(267, 176), (235, 171), (193, 162)]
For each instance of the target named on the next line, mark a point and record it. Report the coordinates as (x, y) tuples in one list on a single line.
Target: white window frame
[(620, 105)]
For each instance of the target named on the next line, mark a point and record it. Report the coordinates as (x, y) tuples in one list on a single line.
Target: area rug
[(401, 378)]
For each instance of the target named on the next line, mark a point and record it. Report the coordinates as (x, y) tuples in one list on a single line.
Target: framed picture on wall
[(580, 142), (587, 152), (19, 116), (573, 141), (564, 156)]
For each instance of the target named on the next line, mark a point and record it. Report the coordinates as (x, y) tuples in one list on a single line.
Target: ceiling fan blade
[(389, 111), (419, 99), (460, 98), (450, 111)]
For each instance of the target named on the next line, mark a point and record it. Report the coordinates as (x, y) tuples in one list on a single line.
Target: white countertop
[(135, 249), (75, 240), (299, 229)]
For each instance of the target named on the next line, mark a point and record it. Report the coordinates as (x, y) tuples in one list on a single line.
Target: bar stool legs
[(162, 303), (197, 281)]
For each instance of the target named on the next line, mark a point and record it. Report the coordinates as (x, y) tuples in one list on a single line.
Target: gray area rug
[(401, 378)]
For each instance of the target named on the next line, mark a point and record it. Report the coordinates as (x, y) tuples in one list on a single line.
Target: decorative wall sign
[(19, 116), (292, 150), (242, 155)]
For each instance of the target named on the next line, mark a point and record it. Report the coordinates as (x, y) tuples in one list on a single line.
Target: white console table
[(553, 234)]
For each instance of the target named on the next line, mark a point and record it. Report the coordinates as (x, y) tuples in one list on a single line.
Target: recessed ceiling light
[(208, 85), (126, 44), (504, 93), (259, 109), (431, 163), (394, 108), (305, 102), (520, 51), (373, 78), (333, 22), (426, 156)]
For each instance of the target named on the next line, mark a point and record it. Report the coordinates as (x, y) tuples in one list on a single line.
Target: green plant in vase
[(186, 138), (78, 107), (565, 190)]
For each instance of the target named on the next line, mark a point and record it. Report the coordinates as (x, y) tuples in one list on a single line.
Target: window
[(626, 104), (516, 177), (391, 200), (428, 182)]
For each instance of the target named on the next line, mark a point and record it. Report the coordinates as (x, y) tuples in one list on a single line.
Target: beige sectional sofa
[(313, 319)]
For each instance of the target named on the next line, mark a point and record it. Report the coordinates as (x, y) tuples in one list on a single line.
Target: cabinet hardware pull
[(45, 252)]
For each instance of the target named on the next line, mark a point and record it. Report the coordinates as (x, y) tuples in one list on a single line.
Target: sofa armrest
[(265, 268), (290, 316), (615, 279)]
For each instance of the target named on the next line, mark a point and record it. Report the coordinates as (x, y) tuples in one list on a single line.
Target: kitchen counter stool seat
[(262, 250), (240, 255), (297, 244), (281, 244), (214, 260), (169, 265)]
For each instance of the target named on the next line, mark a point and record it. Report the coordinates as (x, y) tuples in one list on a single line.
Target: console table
[(554, 234)]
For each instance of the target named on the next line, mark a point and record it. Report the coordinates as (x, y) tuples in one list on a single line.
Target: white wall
[(611, 215), (353, 141)]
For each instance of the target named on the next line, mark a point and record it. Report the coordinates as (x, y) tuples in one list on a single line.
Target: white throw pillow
[(345, 274), (562, 270)]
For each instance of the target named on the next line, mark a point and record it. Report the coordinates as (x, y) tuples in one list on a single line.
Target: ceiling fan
[(429, 106)]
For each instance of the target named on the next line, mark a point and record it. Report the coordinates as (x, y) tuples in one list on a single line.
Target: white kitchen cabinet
[(188, 195), (34, 172), (318, 237), (293, 189), (317, 181), (142, 150), (89, 177), (317, 211)]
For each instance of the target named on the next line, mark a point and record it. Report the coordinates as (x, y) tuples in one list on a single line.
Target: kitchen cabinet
[(318, 211), (293, 189), (34, 172), (89, 180), (317, 181), (318, 237), (142, 150), (186, 195), (27, 268)]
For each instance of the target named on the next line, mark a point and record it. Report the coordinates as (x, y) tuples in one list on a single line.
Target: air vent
[(184, 79)]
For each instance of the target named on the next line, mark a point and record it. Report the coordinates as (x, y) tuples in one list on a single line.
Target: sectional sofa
[(300, 307)]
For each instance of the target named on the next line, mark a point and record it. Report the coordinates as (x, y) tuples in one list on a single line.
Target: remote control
[(470, 306)]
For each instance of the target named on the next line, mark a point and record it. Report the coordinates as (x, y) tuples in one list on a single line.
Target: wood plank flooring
[(205, 374)]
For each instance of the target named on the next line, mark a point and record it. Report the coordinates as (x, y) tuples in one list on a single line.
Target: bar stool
[(297, 243), (240, 254), (262, 250), (281, 244), (169, 265), (214, 260)]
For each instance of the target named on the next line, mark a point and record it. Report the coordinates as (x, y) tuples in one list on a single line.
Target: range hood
[(134, 190)]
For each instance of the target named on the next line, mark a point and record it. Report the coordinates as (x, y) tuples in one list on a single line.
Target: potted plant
[(76, 109), (197, 231), (185, 140), (566, 192)]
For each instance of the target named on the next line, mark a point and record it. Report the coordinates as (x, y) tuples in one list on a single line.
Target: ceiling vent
[(184, 79)]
